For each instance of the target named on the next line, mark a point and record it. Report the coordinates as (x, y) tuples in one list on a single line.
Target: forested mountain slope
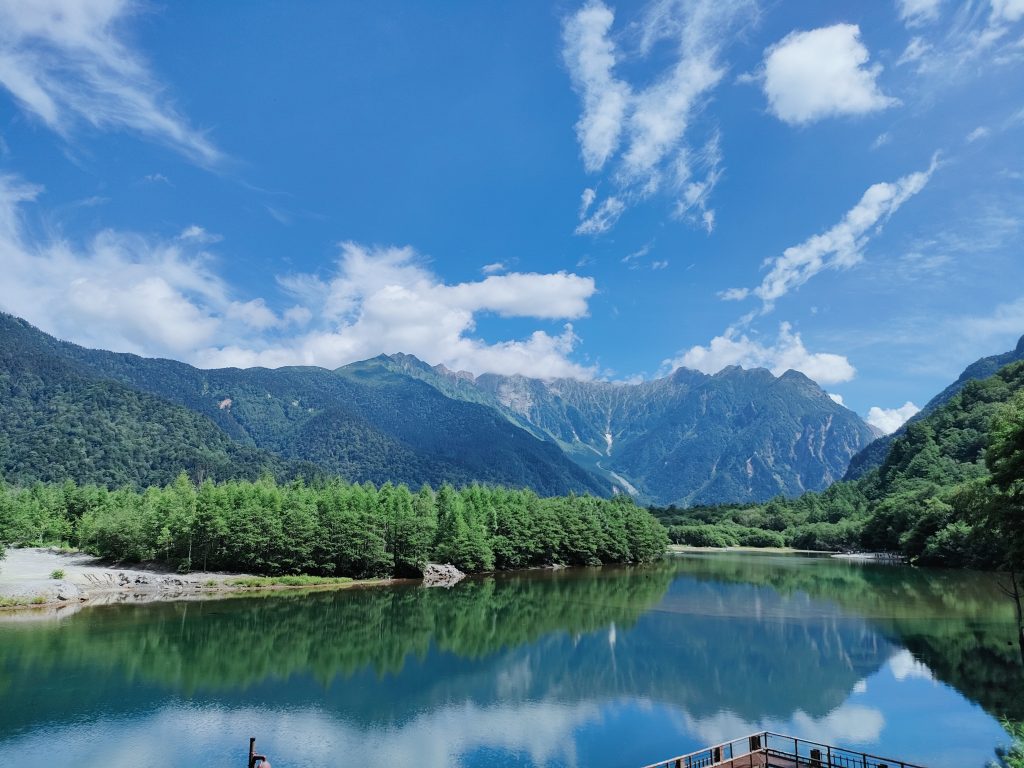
[(58, 422), (364, 422), (875, 453)]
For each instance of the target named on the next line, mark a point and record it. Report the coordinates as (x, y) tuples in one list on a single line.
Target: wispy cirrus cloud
[(915, 13), (67, 64), (636, 134), (839, 247)]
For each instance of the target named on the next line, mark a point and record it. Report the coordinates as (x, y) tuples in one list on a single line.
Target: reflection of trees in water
[(756, 636), (572, 636), (957, 622)]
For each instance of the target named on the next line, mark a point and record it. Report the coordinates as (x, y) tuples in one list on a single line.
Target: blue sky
[(592, 189)]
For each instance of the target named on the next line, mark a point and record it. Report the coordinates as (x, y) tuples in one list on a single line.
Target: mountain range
[(688, 438)]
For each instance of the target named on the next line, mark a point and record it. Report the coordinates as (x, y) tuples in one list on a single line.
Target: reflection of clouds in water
[(846, 724), (904, 666), (195, 737)]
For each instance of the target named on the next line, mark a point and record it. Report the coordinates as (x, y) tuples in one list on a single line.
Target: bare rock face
[(435, 575)]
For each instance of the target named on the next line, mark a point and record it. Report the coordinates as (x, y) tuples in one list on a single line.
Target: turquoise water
[(590, 667)]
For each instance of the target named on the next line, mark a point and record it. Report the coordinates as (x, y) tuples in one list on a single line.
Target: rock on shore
[(436, 575)]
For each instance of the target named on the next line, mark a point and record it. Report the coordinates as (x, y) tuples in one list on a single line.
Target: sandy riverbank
[(26, 577)]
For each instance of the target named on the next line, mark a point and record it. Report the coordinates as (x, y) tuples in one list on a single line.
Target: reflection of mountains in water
[(381, 655), (958, 623)]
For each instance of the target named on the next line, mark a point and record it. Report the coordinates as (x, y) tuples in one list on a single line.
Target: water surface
[(589, 667)]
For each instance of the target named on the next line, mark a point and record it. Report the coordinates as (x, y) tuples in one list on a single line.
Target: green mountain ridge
[(362, 422), (874, 454)]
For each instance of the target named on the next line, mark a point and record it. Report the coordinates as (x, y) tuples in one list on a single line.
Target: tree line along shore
[(331, 528)]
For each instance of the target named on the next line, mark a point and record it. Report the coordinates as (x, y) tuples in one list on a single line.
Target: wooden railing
[(775, 750)]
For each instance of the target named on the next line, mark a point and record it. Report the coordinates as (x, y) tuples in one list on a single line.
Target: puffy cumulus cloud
[(129, 293), (841, 246), (787, 352), (386, 300), (836, 398), (888, 420), (121, 291), (822, 73), (848, 723), (639, 133), (916, 12), (904, 666), (64, 62)]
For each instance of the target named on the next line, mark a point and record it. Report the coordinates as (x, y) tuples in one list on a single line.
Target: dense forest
[(949, 492), (329, 528), (70, 413)]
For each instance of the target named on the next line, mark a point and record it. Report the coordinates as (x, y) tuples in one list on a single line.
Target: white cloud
[(591, 56), (787, 352), (836, 398), (254, 314), (639, 253), (890, 419), (822, 73), (64, 62), (643, 129), (734, 294), (1005, 322), (385, 300), (694, 195), (603, 218), (916, 12), (1008, 10), (904, 666), (129, 293), (587, 198), (978, 133), (197, 234), (841, 246), (916, 49), (490, 269), (882, 140), (542, 732)]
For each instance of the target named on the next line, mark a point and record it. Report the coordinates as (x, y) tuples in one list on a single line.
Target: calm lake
[(589, 668)]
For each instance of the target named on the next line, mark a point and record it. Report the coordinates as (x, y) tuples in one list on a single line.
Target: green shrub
[(57, 575)]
